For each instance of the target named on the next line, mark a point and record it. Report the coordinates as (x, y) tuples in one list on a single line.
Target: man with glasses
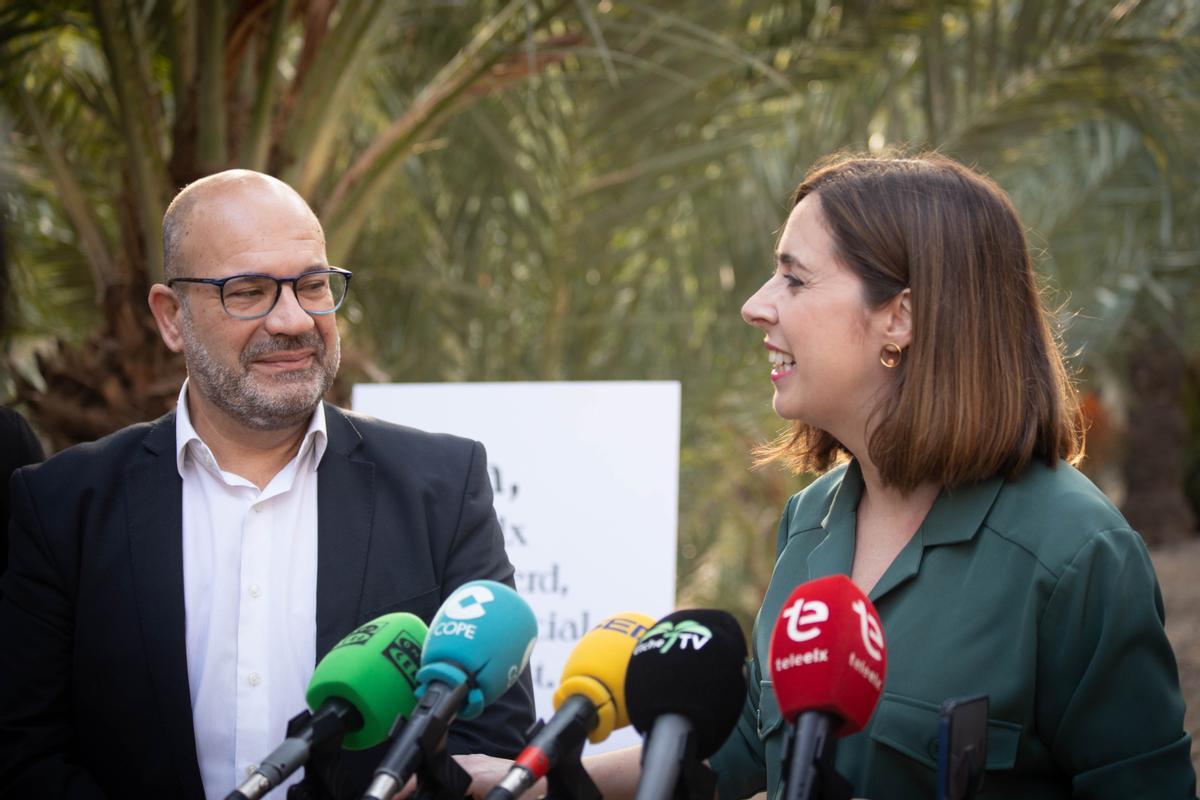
[(173, 585)]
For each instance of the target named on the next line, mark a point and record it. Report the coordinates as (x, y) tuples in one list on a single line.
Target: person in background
[(18, 446), (908, 344), (172, 586)]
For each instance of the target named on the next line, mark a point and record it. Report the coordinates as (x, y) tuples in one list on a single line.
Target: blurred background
[(583, 190)]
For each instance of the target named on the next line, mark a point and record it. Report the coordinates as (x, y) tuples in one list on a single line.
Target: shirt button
[(255, 590), (254, 678), (258, 509)]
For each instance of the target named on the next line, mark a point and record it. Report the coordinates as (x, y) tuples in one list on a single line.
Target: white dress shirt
[(250, 596)]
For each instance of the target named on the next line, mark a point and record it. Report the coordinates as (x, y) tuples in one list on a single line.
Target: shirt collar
[(955, 516), (316, 438)]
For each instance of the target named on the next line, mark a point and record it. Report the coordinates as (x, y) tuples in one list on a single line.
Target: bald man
[(172, 586)]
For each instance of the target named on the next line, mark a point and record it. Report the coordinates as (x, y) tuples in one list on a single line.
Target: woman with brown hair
[(909, 346), (907, 337)]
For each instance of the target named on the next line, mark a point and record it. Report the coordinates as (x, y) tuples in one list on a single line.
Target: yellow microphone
[(589, 702)]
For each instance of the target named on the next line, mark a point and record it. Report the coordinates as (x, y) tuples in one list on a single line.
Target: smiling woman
[(906, 335), (907, 338)]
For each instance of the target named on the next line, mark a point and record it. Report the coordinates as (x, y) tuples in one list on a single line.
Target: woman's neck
[(887, 518)]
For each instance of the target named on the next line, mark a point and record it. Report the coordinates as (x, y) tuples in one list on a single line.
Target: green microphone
[(356, 693)]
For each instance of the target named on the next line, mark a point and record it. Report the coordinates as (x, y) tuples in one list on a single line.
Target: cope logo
[(868, 626), (404, 653), (360, 635), (804, 617), (665, 635), (467, 603), (515, 670)]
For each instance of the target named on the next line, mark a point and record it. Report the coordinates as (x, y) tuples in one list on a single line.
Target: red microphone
[(827, 662)]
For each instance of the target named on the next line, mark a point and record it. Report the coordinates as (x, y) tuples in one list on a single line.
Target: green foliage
[(589, 190)]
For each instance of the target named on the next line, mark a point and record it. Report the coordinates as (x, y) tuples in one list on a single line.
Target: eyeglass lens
[(252, 296)]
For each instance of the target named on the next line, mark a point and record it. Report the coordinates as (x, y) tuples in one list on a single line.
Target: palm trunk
[(1155, 452)]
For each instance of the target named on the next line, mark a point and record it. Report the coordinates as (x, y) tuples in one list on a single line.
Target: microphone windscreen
[(375, 670), (690, 663), (483, 633), (827, 653), (596, 670)]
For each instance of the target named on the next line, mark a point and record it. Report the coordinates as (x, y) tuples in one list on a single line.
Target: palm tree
[(607, 220), (606, 215), (114, 105)]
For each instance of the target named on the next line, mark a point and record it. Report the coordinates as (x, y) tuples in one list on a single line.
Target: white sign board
[(586, 481)]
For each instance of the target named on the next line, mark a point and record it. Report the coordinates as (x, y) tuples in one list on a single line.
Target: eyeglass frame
[(279, 282)]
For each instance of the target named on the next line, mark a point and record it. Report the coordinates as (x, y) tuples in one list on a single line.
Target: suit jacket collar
[(154, 508), (345, 521)]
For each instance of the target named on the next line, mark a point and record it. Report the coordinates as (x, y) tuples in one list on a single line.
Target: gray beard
[(281, 402)]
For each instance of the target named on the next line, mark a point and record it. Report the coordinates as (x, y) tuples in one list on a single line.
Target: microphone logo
[(404, 653), (665, 635), (359, 636), (801, 614), (629, 627), (468, 603), (868, 626)]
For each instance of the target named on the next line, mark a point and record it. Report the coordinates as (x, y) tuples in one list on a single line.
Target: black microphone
[(685, 687), (478, 644)]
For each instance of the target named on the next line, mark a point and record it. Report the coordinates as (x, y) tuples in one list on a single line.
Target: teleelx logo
[(803, 617), (868, 626), (665, 635), (468, 603)]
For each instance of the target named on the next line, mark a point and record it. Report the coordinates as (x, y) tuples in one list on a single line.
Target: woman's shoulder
[(1054, 512)]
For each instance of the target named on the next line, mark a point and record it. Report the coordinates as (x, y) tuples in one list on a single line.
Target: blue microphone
[(478, 645)]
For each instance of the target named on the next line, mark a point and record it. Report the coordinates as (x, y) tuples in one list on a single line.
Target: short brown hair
[(982, 389)]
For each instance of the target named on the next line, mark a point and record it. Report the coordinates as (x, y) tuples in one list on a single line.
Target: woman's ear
[(896, 319)]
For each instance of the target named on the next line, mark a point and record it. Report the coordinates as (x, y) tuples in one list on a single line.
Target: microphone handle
[(812, 735), (329, 723), (420, 735), (563, 734), (518, 781), (666, 749)]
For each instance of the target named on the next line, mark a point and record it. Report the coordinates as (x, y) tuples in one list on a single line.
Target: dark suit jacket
[(94, 697), (18, 447)]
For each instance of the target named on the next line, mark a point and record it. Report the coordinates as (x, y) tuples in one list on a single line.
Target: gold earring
[(891, 355)]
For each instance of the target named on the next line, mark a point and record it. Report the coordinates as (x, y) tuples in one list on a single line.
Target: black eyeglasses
[(250, 296)]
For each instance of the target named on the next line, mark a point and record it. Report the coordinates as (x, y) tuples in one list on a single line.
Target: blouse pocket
[(910, 726)]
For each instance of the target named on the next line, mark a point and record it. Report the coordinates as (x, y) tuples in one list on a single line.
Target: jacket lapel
[(154, 504), (345, 515)]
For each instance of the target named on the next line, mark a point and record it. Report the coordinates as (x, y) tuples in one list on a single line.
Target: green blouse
[(1035, 592)]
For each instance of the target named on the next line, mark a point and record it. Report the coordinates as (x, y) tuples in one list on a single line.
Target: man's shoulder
[(104, 457), (388, 440)]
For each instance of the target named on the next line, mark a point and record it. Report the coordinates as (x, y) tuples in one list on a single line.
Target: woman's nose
[(758, 310)]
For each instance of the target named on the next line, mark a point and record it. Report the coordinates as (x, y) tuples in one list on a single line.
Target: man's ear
[(897, 319), (166, 308)]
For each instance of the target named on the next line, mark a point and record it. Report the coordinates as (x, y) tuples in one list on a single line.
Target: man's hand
[(487, 771)]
